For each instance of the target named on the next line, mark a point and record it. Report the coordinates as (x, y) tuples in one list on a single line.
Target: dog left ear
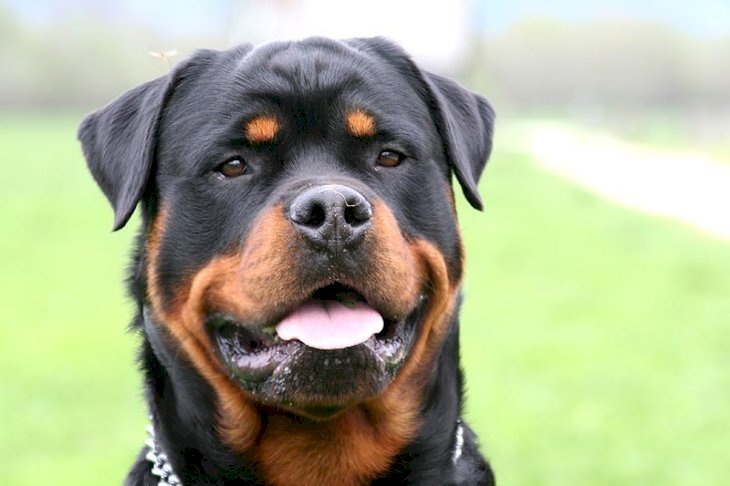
[(119, 143), (466, 124)]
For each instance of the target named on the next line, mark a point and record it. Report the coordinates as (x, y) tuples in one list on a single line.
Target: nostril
[(316, 216), (350, 215), (308, 213), (357, 212)]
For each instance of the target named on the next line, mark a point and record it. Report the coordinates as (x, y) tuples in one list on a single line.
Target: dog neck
[(161, 467), (183, 410)]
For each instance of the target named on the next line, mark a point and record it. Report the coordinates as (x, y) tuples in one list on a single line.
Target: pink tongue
[(327, 324)]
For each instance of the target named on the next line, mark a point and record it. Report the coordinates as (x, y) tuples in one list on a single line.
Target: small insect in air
[(164, 55)]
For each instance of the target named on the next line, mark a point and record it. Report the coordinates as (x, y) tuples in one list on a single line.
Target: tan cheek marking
[(435, 325), (262, 129), (183, 318), (360, 124), (153, 249)]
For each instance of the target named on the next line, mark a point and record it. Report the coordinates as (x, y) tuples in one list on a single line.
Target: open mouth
[(336, 328)]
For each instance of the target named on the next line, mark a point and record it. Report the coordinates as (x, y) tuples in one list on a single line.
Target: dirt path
[(686, 187)]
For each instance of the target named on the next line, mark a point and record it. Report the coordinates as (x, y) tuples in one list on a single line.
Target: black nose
[(331, 216)]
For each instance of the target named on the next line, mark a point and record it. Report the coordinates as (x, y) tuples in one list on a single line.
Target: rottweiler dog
[(297, 273)]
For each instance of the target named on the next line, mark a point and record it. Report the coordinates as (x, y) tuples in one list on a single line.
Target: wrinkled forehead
[(319, 70), (318, 81)]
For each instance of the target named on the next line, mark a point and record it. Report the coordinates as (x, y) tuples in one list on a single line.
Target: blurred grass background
[(595, 339)]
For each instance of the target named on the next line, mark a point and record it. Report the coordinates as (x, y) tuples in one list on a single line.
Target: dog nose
[(331, 216)]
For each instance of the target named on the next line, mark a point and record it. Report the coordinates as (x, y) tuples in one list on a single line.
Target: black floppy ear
[(119, 144), (466, 124)]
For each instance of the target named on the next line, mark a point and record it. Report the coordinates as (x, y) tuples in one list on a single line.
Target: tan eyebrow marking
[(262, 128), (360, 123)]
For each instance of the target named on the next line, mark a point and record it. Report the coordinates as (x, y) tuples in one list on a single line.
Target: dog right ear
[(119, 143)]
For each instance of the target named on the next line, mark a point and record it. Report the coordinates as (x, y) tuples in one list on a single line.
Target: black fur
[(162, 142)]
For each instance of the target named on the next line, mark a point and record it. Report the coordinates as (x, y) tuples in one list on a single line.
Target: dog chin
[(298, 376)]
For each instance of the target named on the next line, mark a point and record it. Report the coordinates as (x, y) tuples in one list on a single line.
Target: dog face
[(300, 245)]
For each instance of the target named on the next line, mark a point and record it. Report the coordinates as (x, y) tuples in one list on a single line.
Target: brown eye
[(390, 158), (232, 168)]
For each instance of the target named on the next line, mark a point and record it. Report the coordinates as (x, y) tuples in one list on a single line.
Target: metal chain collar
[(458, 442), (160, 466)]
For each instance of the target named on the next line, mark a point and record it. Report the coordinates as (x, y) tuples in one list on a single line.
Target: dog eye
[(232, 168), (390, 158)]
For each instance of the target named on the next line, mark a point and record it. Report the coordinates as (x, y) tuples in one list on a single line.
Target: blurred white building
[(435, 33)]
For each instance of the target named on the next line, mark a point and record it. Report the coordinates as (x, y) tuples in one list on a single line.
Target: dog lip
[(338, 290)]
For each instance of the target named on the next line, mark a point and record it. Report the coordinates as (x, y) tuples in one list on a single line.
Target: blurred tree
[(547, 64), (79, 61)]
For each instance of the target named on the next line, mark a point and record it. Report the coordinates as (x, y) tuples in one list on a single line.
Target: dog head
[(300, 245)]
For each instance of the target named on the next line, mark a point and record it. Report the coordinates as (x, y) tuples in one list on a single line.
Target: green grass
[(595, 339), (71, 406)]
